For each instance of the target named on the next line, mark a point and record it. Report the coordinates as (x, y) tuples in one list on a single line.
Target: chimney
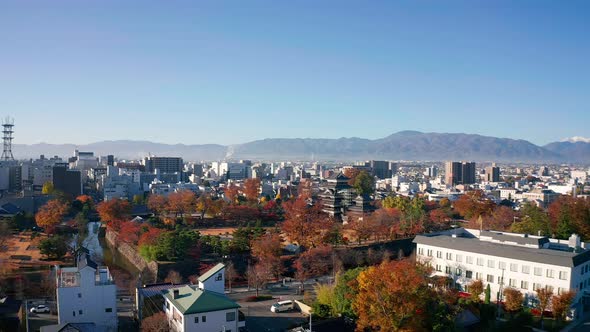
[(176, 293), (574, 241)]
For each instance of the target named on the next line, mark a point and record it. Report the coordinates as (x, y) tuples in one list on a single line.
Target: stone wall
[(132, 255)]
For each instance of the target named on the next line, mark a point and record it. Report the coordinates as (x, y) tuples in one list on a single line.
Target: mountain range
[(404, 145)]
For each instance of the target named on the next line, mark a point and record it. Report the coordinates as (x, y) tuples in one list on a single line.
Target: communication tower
[(7, 132)]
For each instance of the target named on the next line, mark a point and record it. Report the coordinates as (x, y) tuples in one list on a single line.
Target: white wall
[(215, 321), (570, 283), (93, 301)]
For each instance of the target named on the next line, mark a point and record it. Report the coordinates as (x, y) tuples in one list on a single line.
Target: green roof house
[(202, 307)]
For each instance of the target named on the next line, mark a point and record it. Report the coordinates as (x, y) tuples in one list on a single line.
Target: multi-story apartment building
[(459, 172), (164, 164), (87, 294), (499, 259)]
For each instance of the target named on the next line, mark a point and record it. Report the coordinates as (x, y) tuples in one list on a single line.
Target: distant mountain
[(404, 145), (123, 149), (576, 152)]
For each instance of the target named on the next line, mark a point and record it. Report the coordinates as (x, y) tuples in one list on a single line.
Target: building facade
[(87, 294), (502, 260)]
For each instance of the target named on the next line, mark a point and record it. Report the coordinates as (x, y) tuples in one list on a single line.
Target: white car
[(282, 306), (40, 309)]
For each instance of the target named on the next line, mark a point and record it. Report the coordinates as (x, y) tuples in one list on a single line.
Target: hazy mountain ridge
[(404, 145)]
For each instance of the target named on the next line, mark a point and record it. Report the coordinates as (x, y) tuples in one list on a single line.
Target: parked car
[(282, 306), (40, 309)]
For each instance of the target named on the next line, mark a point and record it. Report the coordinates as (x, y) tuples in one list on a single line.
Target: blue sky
[(229, 72)]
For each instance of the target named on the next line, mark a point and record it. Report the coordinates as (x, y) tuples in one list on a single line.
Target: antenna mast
[(7, 132)]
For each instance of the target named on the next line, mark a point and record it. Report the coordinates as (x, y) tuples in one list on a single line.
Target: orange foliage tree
[(315, 262), (252, 189), (513, 299), (207, 205), (304, 224), (84, 199), (158, 204), (231, 193), (129, 232), (351, 173), (473, 204), (51, 214), (267, 249), (157, 322), (182, 202), (113, 211), (561, 304), (392, 296)]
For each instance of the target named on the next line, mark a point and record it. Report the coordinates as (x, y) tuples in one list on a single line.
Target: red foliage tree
[(304, 224), (129, 232), (473, 204), (157, 203), (315, 262), (252, 189), (182, 202), (114, 209), (231, 193), (157, 322)]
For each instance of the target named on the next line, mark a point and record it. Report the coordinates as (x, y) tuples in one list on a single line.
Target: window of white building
[(538, 271), (491, 263), (459, 258), (512, 282), (513, 267), (563, 275), (469, 259), (439, 254), (524, 284), (490, 278), (526, 269), (502, 265), (479, 261), (550, 273), (449, 256)]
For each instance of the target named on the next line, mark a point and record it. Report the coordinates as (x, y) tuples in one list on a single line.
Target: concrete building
[(164, 164), (203, 307), (492, 174), (67, 180), (459, 172), (379, 169), (87, 294), (501, 260)]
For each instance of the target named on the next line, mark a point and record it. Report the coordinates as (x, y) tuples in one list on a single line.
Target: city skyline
[(227, 74)]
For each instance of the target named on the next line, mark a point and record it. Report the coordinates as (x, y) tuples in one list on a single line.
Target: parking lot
[(260, 318)]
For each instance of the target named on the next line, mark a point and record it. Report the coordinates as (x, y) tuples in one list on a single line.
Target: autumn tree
[(207, 205), (393, 296), (157, 203), (129, 232), (114, 210), (315, 262), (252, 189), (48, 188), (351, 173), (173, 277), (230, 274), (51, 214), (513, 300), (562, 303), (258, 275), (157, 322), (231, 193), (362, 229), (267, 249), (473, 204), (544, 296), (182, 202), (476, 289), (305, 224)]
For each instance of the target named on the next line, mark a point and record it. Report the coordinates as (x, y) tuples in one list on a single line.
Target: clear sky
[(228, 72)]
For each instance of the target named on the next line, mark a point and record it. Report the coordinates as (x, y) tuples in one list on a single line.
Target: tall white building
[(502, 260), (87, 294)]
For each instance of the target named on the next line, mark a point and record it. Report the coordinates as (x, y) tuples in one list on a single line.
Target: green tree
[(48, 188), (345, 291), (54, 247), (488, 294), (364, 184)]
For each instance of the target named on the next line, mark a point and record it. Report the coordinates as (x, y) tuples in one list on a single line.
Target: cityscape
[(187, 167)]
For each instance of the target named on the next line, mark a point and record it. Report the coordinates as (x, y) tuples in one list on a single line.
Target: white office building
[(87, 294), (501, 260)]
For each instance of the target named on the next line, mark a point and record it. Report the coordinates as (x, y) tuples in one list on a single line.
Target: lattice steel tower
[(7, 132)]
